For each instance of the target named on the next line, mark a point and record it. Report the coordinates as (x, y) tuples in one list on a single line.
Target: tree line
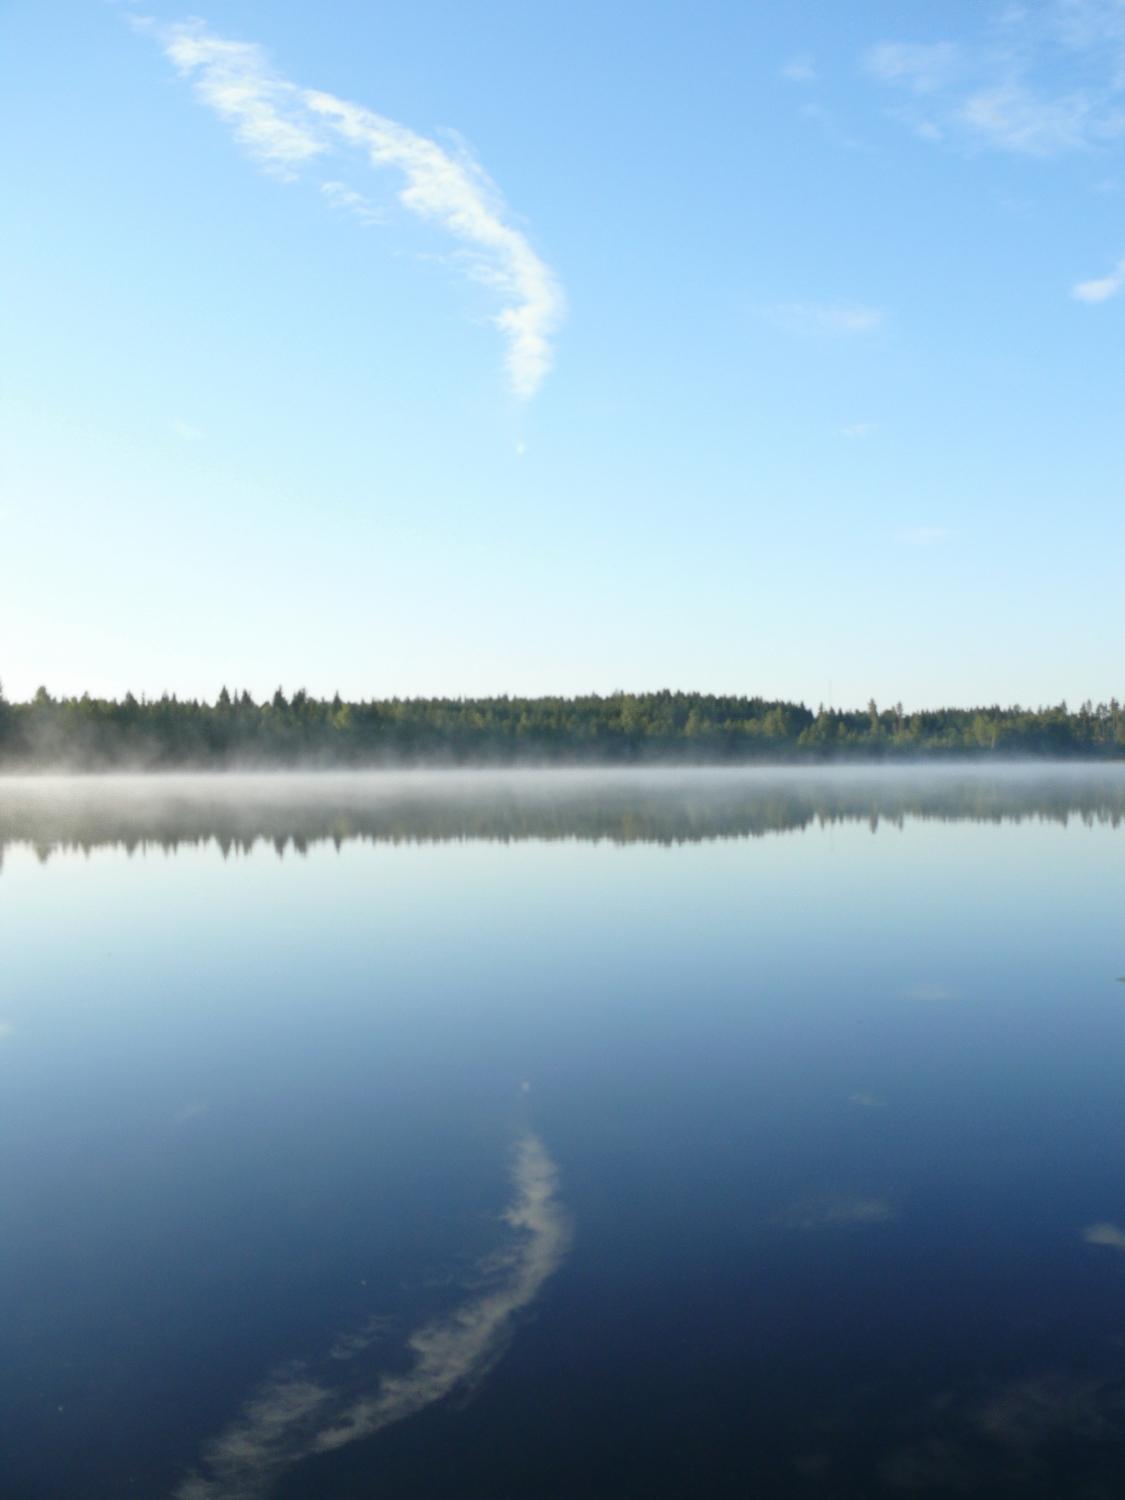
[(88, 733)]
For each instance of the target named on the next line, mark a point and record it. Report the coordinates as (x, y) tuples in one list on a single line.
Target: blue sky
[(432, 348)]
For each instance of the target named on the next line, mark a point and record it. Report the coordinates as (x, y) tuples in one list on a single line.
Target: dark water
[(692, 1135)]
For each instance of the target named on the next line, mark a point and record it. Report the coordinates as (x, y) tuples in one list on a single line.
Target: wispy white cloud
[(285, 127), (264, 111), (188, 431), (1103, 288), (296, 1415), (855, 431), (818, 318)]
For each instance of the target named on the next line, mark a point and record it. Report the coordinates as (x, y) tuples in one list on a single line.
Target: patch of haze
[(295, 1416)]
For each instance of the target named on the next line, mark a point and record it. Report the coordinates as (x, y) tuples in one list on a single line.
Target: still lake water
[(751, 1134)]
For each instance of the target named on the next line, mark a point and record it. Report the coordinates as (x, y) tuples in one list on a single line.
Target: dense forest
[(621, 728)]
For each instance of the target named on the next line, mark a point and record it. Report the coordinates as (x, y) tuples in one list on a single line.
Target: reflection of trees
[(667, 808)]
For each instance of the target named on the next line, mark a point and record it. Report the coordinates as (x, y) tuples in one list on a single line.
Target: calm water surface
[(684, 1134)]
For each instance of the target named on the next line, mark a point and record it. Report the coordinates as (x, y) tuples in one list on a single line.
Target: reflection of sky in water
[(838, 1117)]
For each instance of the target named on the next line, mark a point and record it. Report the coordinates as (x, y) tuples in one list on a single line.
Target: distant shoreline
[(234, 733)]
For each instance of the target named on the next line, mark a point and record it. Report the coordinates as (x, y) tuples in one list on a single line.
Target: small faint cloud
[(928, 992), (801, 69), (521, 449), (922, 67), (187, 431), (345, 198), (6, 1029), (1014, 118), (857, 430), (923, 536), (830, 127), (1102, 288), (1105, 1234), (834, 1211), (863, 1100), (812, 319)]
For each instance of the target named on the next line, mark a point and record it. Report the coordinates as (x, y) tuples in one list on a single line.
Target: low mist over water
[(661, 806), (726, 1133)]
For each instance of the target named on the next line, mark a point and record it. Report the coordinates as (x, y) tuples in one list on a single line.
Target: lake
[(717, 1134)]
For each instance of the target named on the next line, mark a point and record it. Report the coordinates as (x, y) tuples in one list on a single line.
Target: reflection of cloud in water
[(928, 991), (864, 1100), (6, 1029), (296, 1415), (193, 1110), (834, 1211), (351, 1345), (1105, 1234), (1001, 1439)]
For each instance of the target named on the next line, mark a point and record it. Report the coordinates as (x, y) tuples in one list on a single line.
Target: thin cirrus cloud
[(287, 128), (1102, 288), (299, 1413)]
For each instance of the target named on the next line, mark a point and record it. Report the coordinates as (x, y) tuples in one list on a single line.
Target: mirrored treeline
[(295, 811)]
